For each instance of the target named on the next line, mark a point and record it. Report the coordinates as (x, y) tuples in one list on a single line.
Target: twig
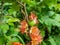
[(26, 17), (24, 11), (22, 6), (20, 3)]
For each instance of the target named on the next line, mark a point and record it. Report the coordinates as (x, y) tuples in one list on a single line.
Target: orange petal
[(32, 16), (36, 39), (39, 38), (34, 30), (16, 43), (33, 37), (22, 30), (23, 26)]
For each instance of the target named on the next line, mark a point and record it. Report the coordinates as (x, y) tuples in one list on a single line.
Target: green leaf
[(15, 6), (11, 24), (50, 13), (57, 39), (5, 4), (1, 38), (57, 7), (9, 1), (49, 22), (30, 2), (20, 39), (4, 27), (52, 41), (43, 43), (51, 3), (57, 17), (15, 39), (10, 11), (27, 37), (12, 20), (43, 33)]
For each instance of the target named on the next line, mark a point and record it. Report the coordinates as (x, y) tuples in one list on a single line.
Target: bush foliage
[(13, 12)]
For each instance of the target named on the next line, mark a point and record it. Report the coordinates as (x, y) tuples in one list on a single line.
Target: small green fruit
[(31, 23)]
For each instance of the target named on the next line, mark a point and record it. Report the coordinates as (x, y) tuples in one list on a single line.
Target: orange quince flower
[(35, 36), (33, 17), (34, 30), (23, 26), (16, 43)]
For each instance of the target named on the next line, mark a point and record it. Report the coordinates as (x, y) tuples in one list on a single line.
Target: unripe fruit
[(31, 23)]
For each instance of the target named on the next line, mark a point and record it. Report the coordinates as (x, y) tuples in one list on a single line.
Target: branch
[(20, 3), (24, 11), (26, 14)]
